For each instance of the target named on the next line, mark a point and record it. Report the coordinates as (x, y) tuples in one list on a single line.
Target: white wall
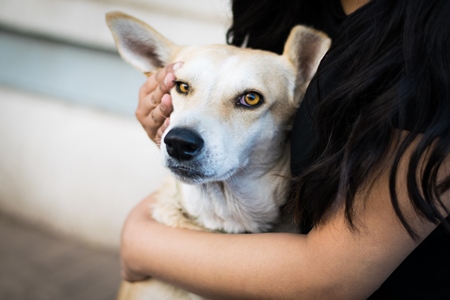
[(72, 166), (185, 22)]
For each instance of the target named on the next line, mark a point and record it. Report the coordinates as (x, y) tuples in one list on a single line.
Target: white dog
[(227, 143)]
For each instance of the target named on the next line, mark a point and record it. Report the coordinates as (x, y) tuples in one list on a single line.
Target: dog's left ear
[(304, 48), (138, 43)]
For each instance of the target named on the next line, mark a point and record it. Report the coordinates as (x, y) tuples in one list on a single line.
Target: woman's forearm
[(213, 265)]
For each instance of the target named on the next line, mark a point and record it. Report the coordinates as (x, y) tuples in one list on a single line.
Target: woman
[(370, 161)]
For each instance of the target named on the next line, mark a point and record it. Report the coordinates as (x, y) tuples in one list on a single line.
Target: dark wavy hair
[(397, 75)]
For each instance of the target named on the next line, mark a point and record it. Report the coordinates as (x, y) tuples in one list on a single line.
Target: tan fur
[(245, 155)]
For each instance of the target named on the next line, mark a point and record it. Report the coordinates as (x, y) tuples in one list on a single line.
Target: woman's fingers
[(160, 132), (157, 77), (157, 119), (149, 99), (152, 110)]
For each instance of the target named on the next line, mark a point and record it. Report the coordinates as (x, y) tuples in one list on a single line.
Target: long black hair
[(265, 24), (397, 76)]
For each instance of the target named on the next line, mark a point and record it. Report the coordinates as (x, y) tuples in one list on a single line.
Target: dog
[(227, 143)]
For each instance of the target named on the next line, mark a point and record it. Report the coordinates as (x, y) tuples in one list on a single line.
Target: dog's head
[(232, 106)]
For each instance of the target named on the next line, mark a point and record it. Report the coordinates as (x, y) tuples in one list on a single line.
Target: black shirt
[(425, 273)]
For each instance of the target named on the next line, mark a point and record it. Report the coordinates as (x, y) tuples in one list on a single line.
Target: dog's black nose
[(183, 144)]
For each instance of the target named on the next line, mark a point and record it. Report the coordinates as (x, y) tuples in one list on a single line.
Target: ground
[(36, 264)]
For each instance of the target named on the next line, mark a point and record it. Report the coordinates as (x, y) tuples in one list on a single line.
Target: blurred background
[(73, 159)]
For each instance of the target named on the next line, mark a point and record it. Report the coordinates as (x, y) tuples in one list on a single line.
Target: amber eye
[(182, 88), (250, 99)]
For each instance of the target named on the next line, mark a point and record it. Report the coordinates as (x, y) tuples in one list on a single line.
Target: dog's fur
[(233, 180)]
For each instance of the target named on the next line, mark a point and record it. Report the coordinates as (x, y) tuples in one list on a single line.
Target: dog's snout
[(183, 144)]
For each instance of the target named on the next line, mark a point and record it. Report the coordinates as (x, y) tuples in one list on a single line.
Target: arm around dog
[(331, 262)]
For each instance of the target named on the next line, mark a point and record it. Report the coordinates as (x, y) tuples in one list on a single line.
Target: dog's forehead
[(235, 67), (220, 75)]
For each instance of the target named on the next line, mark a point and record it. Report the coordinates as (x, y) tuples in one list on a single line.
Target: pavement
[(36, 264)]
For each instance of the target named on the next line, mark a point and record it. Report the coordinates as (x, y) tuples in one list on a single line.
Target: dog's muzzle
[(183, 144)]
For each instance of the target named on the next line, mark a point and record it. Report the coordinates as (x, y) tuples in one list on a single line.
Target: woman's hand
[(134, 229), (155, 102)]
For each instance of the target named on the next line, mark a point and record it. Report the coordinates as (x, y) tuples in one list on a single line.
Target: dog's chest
[(220, 208)]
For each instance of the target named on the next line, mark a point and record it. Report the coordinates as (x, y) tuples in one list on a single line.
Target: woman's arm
[(331, 262)]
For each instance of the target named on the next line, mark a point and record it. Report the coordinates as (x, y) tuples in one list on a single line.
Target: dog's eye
[(250, 99), (182, 88)]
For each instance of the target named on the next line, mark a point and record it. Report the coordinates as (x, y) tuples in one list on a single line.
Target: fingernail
[(166, 122), (178, 65), (166, 79)]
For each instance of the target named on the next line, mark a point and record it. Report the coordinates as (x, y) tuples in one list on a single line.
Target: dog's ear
[(138, 43), (304, 48)]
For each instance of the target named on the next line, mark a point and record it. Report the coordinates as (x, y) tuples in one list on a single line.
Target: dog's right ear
[(305, 48), (138, 43)]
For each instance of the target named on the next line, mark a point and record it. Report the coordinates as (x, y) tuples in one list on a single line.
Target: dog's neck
[(249, 201)]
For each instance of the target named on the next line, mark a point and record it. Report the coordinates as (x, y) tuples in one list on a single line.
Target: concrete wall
[(72, 156), (82, 21)]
